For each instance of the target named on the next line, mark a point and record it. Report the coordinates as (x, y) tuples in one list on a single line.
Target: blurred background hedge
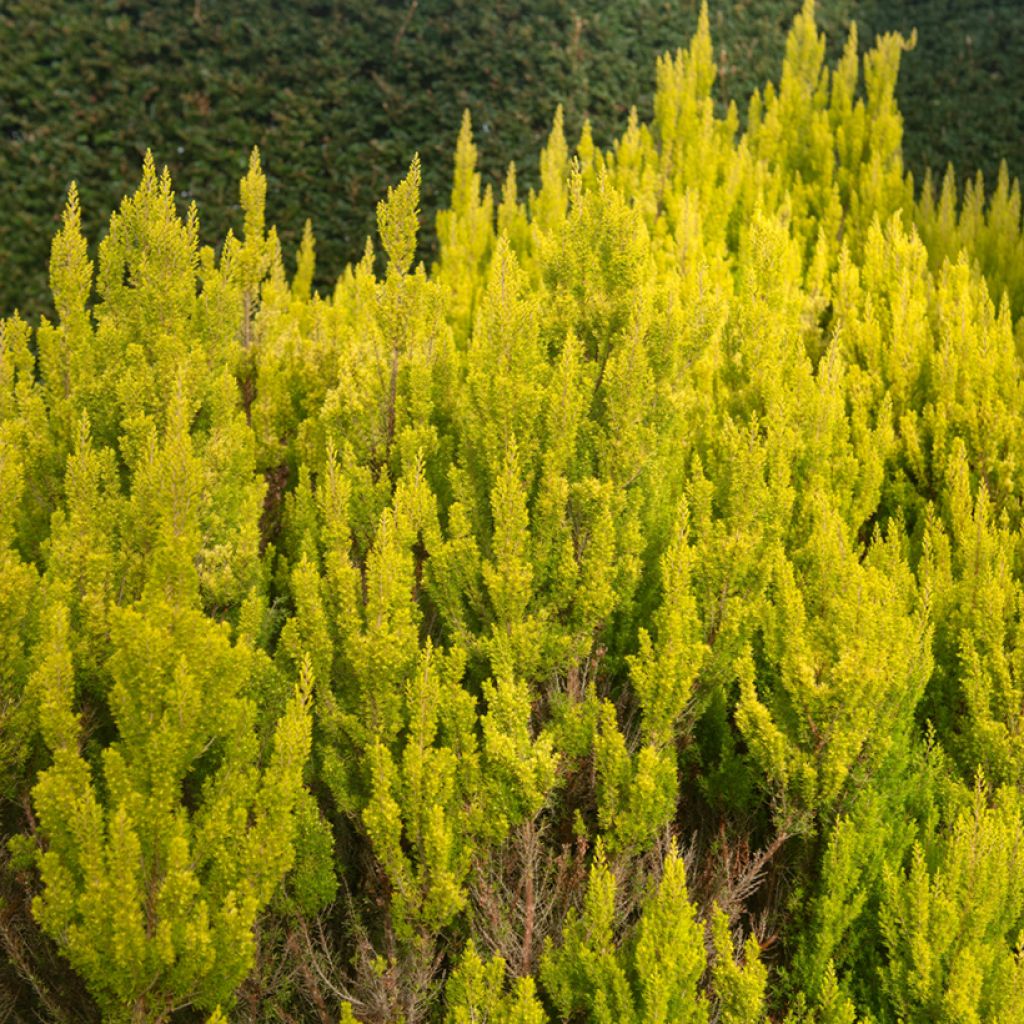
[(339, 96)]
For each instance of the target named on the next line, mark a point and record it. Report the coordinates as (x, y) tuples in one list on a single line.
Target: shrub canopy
[(618, 620)]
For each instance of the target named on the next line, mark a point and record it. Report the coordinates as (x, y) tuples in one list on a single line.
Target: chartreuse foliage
[(952, 922), (377, 653), (653, 976)]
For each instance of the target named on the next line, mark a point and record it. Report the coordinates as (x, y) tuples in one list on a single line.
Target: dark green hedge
[(339, 95)]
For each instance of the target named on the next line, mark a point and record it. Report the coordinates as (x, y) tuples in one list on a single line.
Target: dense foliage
[(618, 621), (339, 94)]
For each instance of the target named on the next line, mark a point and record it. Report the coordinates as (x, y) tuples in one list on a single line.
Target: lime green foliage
[(19, 579), (153, 903), (476, 991), (652, 977), (740, 987), (167, 815), (377, 651), (952, 923)]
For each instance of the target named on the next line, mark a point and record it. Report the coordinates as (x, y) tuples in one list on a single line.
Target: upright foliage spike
[(398, 220), (305, 263)]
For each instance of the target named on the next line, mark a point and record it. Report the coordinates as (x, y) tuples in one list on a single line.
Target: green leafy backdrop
[(338, 94)]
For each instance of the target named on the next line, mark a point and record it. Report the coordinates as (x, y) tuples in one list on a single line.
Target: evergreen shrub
[(618, 620)]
